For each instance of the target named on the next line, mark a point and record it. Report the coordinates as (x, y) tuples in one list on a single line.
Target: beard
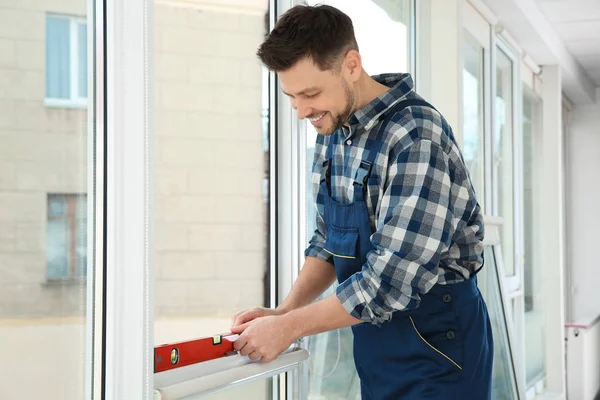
[(340, 119)]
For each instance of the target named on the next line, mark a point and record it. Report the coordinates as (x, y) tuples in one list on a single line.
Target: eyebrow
[(303, 92)]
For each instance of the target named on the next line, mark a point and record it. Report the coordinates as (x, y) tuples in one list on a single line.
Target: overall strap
[(327, 164), (366, 166)]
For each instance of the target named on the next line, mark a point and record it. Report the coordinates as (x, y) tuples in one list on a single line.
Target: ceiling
[(577, 22)]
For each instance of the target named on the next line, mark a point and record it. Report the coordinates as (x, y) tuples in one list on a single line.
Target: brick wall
[(42, 150), (210, 212)]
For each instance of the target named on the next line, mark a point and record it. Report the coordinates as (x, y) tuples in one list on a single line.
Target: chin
[(325, 130)]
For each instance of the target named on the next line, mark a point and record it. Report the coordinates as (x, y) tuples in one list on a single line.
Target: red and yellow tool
[(180, 354)]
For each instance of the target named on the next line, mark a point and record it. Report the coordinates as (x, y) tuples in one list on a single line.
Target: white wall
[(583, 363), (583, 207)]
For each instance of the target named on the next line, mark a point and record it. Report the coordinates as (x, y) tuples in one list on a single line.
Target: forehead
[(304, 75)]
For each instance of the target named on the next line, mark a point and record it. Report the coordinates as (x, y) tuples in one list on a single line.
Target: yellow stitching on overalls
[(337, 255), (429, 344)]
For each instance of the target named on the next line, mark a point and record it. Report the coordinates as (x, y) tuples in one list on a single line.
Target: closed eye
[(310, 96)]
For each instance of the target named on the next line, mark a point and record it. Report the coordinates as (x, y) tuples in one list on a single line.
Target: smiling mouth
[(317, 118)]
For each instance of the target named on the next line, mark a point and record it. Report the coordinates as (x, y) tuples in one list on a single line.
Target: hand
[(266, 338), (247, 316)]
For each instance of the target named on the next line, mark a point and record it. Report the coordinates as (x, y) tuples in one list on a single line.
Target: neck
[(367, 90)]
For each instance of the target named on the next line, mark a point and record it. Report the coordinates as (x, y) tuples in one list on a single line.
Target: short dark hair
[(321, 33)]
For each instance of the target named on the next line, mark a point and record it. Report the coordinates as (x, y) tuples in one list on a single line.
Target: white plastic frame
[(511, 286), (96, 201), (129, 271), (512, 283), (223, 373), (529, 79)]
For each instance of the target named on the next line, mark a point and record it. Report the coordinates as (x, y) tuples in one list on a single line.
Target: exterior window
[(66, 61), (66, 236)]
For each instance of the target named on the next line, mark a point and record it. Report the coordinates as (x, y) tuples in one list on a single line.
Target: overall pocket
[(342, 242), (441, 338)]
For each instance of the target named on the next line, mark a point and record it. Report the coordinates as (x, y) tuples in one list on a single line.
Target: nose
[(302, 110)]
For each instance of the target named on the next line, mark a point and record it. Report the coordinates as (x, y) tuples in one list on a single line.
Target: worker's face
[(325, 98)]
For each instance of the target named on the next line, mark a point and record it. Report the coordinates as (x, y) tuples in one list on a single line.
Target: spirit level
[(180, 354)]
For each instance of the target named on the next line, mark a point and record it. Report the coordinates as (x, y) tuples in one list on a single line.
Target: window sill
[(216, 375), (63, 103), (60, 282)]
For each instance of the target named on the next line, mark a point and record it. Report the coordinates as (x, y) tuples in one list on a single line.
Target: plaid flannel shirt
[(427, 223)]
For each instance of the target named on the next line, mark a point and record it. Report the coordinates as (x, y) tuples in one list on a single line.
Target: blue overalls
[(441, 350)]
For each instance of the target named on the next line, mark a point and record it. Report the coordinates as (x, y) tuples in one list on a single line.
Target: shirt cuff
[(317, 251), (355, 300)]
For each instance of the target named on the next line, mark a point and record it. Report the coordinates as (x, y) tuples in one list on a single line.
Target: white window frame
[(549, 91), (129, 281), (513, 283), (96, 205), (74, 100), (478, 25), (530, 77)]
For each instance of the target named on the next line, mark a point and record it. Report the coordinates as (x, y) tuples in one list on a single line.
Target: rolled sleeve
[(316, 247), (414, 227)]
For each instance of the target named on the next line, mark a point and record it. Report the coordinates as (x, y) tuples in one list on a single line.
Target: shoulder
[(417, 123)]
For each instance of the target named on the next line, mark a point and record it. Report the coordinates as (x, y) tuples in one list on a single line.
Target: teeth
[(317, 118)]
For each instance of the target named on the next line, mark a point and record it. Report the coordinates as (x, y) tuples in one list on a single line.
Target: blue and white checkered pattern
[(427, 223)]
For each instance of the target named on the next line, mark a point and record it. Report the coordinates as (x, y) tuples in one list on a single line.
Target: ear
[(352, 65)]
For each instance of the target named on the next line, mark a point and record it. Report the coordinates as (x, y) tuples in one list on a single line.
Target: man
[(398, 224)]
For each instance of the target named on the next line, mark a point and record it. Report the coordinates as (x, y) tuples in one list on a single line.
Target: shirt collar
[(365, 117)]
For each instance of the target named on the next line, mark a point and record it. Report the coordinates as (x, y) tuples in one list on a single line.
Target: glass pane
[(57, 248), (211, 162), (57, 206), (81, 249), (473, 118), (82, 75), (332, 374), (504, 386), (58, 57), (534, 278), (43, 166), (502, 145)]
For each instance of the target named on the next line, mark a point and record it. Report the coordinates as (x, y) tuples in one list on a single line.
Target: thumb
[(240, 328)]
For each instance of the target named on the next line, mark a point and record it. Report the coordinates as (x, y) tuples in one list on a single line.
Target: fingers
[(266, 359), (240, 343), (246, 316), (240, 328), (235, 317), (255, 355), (245, 348)]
